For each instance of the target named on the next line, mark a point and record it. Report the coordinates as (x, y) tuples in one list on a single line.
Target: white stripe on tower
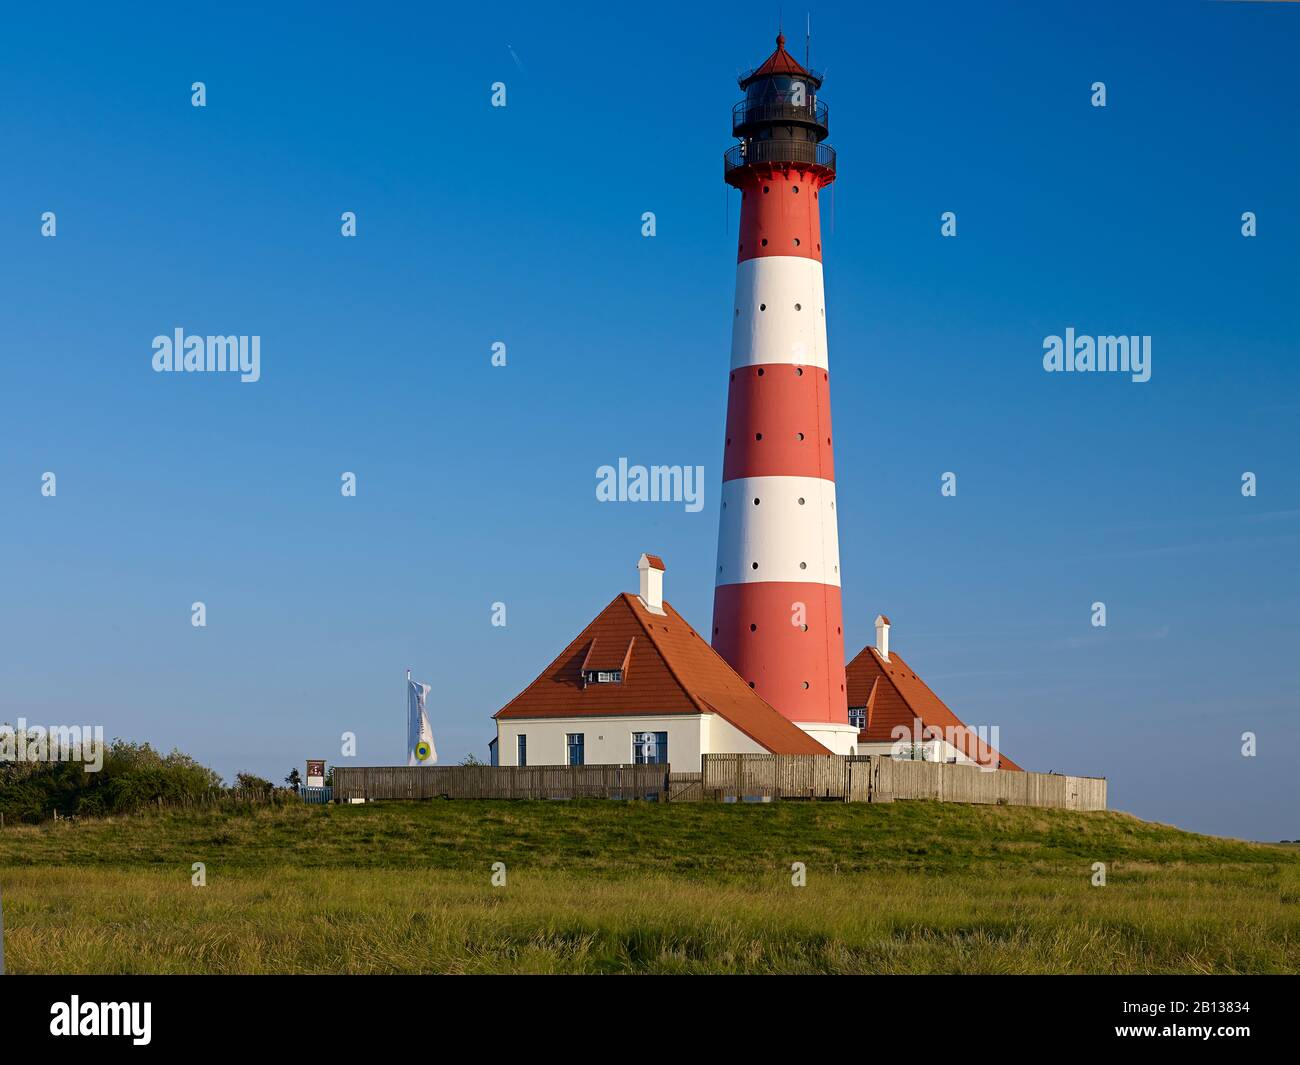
[(768, 289)]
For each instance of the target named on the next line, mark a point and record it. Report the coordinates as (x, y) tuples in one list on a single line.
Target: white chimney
[(882, 636), (651, 569)]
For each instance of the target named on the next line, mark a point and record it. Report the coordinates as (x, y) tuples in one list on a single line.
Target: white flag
[(419, 737)]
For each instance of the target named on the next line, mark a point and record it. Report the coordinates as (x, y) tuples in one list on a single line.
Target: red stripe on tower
[(777, 617)]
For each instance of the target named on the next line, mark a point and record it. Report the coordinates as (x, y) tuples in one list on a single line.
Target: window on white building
[(650, 748), (858, 717), (523, 750), (573, 743)]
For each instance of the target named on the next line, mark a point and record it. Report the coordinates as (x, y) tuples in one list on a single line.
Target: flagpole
[(406, 741)]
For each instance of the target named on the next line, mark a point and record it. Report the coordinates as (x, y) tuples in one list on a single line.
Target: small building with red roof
[(639, 684), (897, 714)]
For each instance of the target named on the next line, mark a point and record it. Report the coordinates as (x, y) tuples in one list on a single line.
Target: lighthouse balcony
[(777, 153), (750, 115)]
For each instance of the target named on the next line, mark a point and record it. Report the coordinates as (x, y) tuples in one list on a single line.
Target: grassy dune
[(609, 887)]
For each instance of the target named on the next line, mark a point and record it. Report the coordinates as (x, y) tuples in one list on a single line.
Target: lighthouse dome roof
[(779, 63)]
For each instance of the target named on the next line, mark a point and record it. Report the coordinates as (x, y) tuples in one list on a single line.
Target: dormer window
[(607, 661)]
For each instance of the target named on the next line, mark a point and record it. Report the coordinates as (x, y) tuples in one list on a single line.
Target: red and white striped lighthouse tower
[(776, 608)]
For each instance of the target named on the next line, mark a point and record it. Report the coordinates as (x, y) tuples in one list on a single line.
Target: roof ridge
[(699, 704), (554, 661)]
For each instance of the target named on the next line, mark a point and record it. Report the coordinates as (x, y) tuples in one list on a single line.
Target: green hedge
[(134, 775)]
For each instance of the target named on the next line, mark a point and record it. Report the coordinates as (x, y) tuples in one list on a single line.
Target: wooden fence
[(728, 777), (878, 779), (774, 776), (684, 787), (501, 782), (892, 779)]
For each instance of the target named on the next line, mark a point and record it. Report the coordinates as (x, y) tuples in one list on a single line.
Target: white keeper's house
[(640, 685)]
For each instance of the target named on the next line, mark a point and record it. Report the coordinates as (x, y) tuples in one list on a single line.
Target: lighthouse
[(777, 616)]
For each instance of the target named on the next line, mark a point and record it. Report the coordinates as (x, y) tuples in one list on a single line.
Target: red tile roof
[(895, 696), (670, 669), (655, 561)]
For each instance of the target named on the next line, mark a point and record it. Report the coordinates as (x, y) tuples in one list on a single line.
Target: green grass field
[(614, 887)]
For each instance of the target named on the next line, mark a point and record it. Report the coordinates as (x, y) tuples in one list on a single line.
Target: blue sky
[(522, 224)]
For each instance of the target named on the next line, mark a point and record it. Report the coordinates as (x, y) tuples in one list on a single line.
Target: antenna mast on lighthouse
[(777, 616)]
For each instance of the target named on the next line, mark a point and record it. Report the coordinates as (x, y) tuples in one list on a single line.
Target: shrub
[(134, 775)]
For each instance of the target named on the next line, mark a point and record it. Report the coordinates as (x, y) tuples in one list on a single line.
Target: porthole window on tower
[(803, 565), (758, 436), (798, 306), (762, 306), (795, 187), (805, 684), (796, 242), (755, 501), (760, 371), (801, 500), (753, 565), (765, 242), (799, 435)]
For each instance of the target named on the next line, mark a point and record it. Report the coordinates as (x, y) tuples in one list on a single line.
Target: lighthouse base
[(836, 738)]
